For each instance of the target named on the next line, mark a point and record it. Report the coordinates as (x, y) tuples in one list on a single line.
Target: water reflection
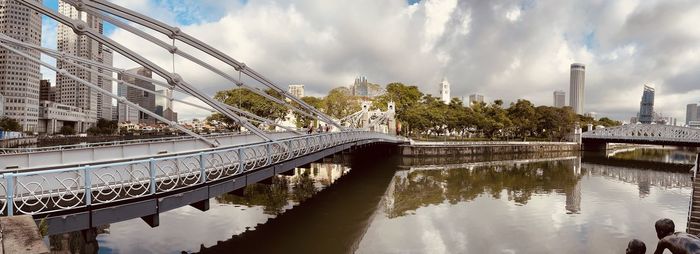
[(657, 154), (386, 204), (230, 214), (581, 207), (519, 182)]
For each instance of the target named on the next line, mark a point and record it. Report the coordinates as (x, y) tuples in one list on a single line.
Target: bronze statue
[(678, 242), (636, 247)]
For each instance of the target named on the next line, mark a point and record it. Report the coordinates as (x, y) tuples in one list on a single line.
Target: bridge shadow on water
[(595, 158), (332, 221)]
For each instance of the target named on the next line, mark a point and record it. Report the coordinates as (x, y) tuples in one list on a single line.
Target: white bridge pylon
[(113, 14), (367, 119), (647, 132)]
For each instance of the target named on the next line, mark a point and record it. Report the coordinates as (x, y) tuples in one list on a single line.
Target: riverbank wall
[(481, 148), (16, 142)]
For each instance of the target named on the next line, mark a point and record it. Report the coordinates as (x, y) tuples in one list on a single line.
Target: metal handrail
[(118, 143), (480, 143), (46, 191)]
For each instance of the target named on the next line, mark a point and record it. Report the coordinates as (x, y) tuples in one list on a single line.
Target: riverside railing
[(53, 190)]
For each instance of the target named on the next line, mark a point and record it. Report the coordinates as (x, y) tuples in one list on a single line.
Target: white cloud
[(504, 49)]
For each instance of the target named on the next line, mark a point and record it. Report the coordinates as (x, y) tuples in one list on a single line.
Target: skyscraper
[(445, 91), (576, 87), (296, 90), (475, 98), (559, 99), (360, 87), (691, 113), (140, 97), (71, 92), (19, 77), (646, 106), (46, 91), (164, 104)]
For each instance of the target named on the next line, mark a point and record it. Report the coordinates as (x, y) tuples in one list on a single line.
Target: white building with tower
[(445, 91)]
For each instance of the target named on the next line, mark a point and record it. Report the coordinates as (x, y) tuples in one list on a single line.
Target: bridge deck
[(77, 155), (73, 196)]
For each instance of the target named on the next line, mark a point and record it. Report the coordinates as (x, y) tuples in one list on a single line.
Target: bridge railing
[(76, 187), (118, 143)]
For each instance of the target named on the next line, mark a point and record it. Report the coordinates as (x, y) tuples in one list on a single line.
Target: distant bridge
[(654, 134)]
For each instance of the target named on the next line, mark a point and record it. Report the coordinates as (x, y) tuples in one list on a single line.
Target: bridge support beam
[(152, 220), (201, 205), (238, 192), (291, 172), (595, 146), (268, 181)]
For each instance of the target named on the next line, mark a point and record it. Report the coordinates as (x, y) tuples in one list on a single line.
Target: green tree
[(67, 130), (318, 103), (496, 121), (607, 122), (9, 124), (524, 118), (405, 97), (251, 102), (340, 102), (103, 127)]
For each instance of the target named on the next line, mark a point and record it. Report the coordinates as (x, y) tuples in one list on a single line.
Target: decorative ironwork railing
[(53, 190), (651, 132)]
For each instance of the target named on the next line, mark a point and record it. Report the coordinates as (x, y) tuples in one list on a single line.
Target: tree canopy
[(423, 114), (9, 124)]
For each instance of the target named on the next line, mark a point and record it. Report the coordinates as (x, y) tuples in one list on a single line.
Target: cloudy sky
[(499, 48)]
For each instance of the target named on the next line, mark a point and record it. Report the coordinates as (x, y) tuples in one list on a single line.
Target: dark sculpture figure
[(678, 242), (636, 247)]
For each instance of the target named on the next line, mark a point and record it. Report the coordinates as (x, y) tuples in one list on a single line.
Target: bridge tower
[(576, 137), (391, 117), (364, 121)]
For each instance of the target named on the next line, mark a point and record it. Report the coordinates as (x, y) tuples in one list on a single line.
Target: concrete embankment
[(15, 142), (477, 148), (20, 234)]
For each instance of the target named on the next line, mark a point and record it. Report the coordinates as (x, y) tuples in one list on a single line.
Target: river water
[(367, 203)]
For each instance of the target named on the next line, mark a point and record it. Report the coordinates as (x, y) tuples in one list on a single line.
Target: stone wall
[(492, 148), (16, 142)]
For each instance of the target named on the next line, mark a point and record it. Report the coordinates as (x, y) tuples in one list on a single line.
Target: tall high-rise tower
[(138, 96), (691, 113), (19, 77), (559, 99), (445, 91), (475, 98), (576, 87), (646, 106), (360, 87), (72, 93)]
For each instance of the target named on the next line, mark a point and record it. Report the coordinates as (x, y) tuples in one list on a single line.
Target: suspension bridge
[(82, 186)]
